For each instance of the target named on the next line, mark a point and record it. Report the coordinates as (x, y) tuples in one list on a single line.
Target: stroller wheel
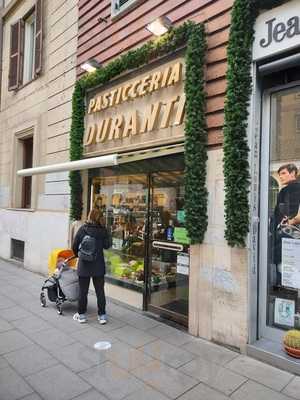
[(59, 307), (43, 299)]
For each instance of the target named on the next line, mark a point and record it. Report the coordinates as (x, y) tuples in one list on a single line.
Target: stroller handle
[(69, 259)]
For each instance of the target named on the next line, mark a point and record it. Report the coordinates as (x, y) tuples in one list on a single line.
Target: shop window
[(26, 48), (118, 7), (17, 249), (284, 210), (26, 146)]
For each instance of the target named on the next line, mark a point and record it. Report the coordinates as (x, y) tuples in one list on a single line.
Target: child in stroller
[(62, 285)]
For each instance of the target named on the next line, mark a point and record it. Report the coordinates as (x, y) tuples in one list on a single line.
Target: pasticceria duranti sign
[(145, 110)]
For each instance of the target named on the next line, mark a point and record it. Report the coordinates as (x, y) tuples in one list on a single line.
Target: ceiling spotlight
[(90, 65), (159, 26)]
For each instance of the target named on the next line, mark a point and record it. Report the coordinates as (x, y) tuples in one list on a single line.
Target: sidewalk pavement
[(51, 357)]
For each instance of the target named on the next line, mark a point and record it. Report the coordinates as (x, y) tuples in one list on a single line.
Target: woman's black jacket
[(97, 267)]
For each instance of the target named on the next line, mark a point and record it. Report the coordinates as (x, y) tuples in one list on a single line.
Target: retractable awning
[(104, 161), (95, 162)]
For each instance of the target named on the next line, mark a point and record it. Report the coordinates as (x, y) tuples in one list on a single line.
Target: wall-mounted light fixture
[(159, 26), (90, 65)]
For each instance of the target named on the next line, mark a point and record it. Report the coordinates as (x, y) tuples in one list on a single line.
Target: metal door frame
[(265, 331), (179, 318)]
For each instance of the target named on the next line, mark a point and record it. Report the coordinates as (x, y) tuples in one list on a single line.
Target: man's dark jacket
[(97, 267)]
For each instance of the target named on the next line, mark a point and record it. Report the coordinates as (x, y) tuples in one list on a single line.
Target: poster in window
[(284, 312)]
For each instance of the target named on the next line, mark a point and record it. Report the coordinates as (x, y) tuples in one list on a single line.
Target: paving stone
[(92, 335), (3, 362), (33, 396), (171, 335), (112, 324), (293, 388), (139, 321), (57, 383), (203, 392), (132, 336), (5, 302), (51, 338), (92, 394), (255, 391), (112, 381), (167, 353), (213, 375), (12, 340), (169, 381), (5, 326), (12, 386), (210, 351), (14, 313), (31, 324), (260, 372), (126, 356), (30, 360), (77, 356), (146, 393)]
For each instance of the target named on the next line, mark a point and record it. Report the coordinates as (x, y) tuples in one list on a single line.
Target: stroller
[(62, 284)]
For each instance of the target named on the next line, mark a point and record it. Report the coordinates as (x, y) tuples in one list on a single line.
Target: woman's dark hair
[(95, 216)]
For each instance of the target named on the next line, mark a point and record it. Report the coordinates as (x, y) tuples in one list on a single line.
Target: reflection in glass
[(284, 212)]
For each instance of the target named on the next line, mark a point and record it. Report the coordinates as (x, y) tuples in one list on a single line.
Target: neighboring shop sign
[(277, 30), (145, 110)]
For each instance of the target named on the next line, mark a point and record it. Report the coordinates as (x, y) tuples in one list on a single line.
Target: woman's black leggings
[(84, 283)]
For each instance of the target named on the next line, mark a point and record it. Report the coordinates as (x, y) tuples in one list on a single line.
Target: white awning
[(95, 162)]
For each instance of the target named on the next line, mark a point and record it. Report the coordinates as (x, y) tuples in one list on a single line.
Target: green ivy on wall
[(239, 86), (193, 37)]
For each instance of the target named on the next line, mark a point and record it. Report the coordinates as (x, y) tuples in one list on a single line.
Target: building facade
[(240, 297), (37, 78), (151, 264)]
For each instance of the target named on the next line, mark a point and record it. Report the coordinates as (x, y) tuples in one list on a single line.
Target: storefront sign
[(277, 30), (145, 110)]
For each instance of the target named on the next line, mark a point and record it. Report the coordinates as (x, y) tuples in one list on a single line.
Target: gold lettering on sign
[(131, 125), (148, 84), (89, 136), (180, 111), (175, 75), (105, 101), (112, 97), (154, 84), (103, 129), (125, 92), (116, 126), (144, 85), (91, 105), (98, 104), (151, 118), (165, 122), (133, 90)]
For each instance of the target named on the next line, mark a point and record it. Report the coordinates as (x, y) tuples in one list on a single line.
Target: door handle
[(167, 245)]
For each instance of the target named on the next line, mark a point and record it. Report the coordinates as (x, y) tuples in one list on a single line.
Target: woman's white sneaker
[(81, 318)]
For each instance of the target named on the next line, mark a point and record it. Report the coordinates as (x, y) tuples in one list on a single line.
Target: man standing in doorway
[(286, 211)]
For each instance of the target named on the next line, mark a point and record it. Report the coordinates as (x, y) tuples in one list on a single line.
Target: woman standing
[(89, 242)]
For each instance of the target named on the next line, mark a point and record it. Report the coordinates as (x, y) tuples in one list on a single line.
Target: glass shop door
[(279, 300), (168, 259)]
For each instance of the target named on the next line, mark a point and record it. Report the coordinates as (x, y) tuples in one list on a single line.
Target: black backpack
[(88, 249)]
